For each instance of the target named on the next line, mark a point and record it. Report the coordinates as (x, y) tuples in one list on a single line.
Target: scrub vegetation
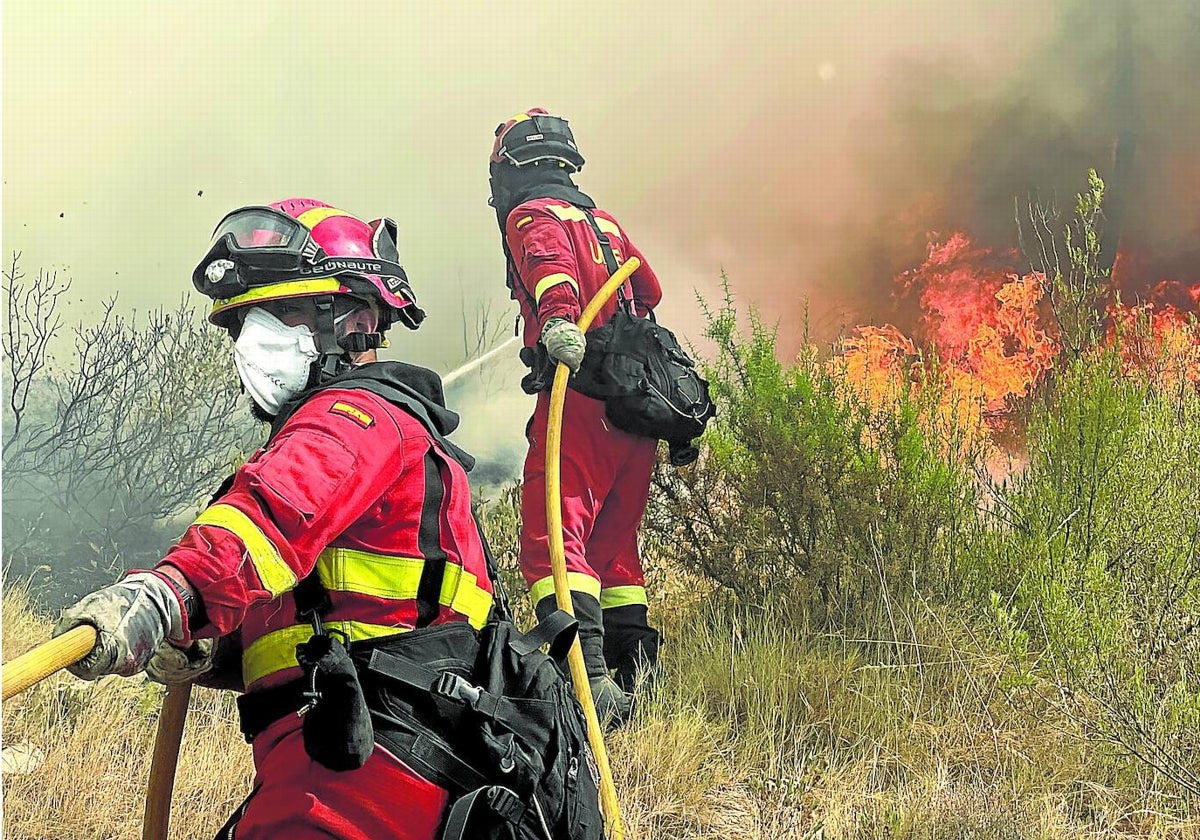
[(872, 631)]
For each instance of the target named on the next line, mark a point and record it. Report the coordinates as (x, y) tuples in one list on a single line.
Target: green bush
[(1096, 551), (806, 494)]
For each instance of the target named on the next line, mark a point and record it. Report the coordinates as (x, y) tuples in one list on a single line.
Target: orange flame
[(986, 338), (981, 322), (1157, 337)]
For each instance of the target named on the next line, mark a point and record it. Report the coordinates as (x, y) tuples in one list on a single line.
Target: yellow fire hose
[(54, 655), (558, 562), (33, 667)]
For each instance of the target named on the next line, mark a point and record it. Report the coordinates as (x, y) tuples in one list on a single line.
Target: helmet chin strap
[(336, 353), (334, 359)]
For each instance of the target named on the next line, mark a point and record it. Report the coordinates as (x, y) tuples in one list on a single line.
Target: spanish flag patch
[(355, 413)]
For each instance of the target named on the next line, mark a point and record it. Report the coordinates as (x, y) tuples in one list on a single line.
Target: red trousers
[(605, 482), (295, 798)]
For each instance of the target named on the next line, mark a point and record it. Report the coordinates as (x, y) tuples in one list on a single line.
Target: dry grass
[(756, 730), (96, 739)]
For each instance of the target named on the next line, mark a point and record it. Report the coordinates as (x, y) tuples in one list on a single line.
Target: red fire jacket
[(355, 487), (561, 265)]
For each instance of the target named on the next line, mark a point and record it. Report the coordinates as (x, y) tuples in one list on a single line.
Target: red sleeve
[(333, 459), (647, 292), (541, 249)]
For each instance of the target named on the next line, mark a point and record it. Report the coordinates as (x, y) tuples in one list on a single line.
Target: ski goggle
[(257, 246)]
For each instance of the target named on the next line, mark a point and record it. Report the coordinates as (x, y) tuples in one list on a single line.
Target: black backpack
[(649, 385), (515, 722)]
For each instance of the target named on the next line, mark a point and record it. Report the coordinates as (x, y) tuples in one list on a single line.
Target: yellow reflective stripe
[(607, 227), (311, 218), (522, 222), (461, 592), (622, 596), (576, 582), (350, 570), (277, 576), (367, 573), (277, 290), (567, 212), (553, 280), (277, 650)]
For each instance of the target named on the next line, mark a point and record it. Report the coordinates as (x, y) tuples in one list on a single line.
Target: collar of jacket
[(417, 383)]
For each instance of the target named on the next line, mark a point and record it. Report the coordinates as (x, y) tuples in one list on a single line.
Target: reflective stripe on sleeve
[(552, 280), (462, 593), (276, 576), (622, 596), (576, 582)]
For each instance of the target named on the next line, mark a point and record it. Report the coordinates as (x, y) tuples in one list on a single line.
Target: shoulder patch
[(358, 415), (522, 222)]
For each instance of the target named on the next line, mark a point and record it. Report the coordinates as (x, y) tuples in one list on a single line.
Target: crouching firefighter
[(342, 572), (560, 250)]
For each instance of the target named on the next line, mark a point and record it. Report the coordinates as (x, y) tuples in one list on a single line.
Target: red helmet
[(299, 248), (534, 136)]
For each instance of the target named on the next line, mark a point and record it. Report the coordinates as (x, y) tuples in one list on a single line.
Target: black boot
[(631, 646), (614, 706)]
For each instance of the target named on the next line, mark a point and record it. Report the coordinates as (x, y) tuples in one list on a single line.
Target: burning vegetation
[(988, 335)]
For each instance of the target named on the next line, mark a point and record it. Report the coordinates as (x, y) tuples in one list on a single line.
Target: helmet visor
[(261, 227)]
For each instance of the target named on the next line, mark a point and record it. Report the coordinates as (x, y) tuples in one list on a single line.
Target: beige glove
[(132, 618), (171, 664), (564, 342)]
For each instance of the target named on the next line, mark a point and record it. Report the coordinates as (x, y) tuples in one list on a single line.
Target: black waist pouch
[(337, 728)]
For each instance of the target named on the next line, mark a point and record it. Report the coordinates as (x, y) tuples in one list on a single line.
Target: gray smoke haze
[(805, 148)]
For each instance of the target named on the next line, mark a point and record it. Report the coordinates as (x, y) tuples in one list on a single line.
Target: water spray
[(458, 373)]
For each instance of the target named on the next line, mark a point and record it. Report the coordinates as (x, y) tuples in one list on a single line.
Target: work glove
[(564, 342), (614, 707), (132, 618), (170, 664)]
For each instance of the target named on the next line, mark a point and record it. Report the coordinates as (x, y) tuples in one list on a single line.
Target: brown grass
[(756, 730)]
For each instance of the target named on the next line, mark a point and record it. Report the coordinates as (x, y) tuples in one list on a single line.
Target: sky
[(803, 148)]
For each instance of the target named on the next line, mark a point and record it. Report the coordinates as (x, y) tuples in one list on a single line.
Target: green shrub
[(806, 494), (1096, 551)]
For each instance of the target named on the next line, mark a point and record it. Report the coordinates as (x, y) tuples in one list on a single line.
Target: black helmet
[(535, 136)]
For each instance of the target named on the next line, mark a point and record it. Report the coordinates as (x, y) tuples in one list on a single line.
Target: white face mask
[(273, 359)]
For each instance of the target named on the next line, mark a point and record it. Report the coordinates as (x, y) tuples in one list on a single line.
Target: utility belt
[(415, 727)]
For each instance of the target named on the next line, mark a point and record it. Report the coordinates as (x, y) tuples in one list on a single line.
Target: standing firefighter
[(555, 240), (352, 526)]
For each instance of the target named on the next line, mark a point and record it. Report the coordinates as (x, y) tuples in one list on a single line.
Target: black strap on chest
[(610, 259)]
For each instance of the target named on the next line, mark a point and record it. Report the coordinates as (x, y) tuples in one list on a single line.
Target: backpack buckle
[(454, 687), (504, 803)]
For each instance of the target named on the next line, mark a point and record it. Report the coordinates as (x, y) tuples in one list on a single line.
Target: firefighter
[(555, 265), (352, 525)]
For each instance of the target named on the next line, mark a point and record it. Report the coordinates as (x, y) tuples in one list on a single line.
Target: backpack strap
[(557, 630), (610, 259), (512, 278), (498, 801)]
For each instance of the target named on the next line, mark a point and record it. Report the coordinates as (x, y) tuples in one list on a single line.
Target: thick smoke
[(943, 138)]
